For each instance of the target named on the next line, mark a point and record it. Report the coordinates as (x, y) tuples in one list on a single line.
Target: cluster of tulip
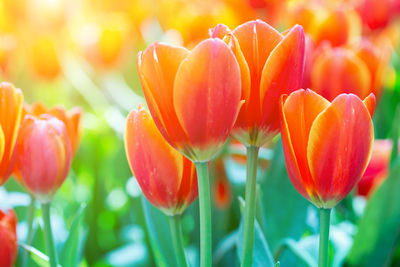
[(243, 82), (36, 145)]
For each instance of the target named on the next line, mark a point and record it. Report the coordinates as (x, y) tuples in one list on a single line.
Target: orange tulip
[(327, 145), (167, 179), (8, 238), (72, 119), (376, 13), (271, 64), (43, 155), (193, 96), (377, 169), (45, 60), (10, 117)]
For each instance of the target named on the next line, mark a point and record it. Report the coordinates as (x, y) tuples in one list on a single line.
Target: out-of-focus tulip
[(72, 120), (43, 155), (193, 96), (222, 190), (167, 179), (11, 100), (327, 145), (376, 13), (271, 64), (8, 238), (45, 59), (377, 169)]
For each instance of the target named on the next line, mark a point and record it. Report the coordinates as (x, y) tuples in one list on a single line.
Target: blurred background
[(83, 53)]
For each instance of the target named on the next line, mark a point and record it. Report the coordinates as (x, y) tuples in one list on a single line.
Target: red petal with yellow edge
[(10, 118), (257, 39), (300, 110), (282, 74), (370, 102), (208, 83), (1, 143), (157, 67), (339, 147), (340, 71)]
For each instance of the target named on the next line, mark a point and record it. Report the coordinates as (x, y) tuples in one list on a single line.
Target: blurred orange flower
[(44, 57), (8, 238), (11, 100), (327, 145), (167, 179), (222, 190), (193, 96)]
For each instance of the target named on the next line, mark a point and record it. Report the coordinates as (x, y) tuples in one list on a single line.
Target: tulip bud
[(43, 155), (8, 238), (327, 145), (167, 179)]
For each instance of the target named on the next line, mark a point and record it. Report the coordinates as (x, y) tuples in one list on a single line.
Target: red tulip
[(8, 238), (43, 155), (222, 190), (193, 96), (167, 179), (376, 13), (377, 169), (327, 145), (271, 64), (11, 100)]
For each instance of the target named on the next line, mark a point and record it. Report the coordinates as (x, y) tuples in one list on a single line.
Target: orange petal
[(10, 118), (2, 141), (208, 83), (157, 67), (282, 74), (340, 71), (370, 102), (299, 112), (339, 148)]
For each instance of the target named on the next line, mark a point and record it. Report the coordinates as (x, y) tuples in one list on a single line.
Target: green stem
[(176, 233), (205, 214), (50, 248), (250, 206), (325, 215), (29, 219)]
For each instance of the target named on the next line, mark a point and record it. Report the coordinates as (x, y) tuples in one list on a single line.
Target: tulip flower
[(194, 98), (44, 58), (10, 117), (222, 190), (271, 64), (376, 13), (327, 146), (377, 169), (8, 238), (43, 161), (167, 178)]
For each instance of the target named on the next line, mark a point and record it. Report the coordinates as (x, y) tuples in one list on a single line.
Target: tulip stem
[(325, 215), (176, 233), (29, 219), (250, 206), (205, 214), (48, 234)]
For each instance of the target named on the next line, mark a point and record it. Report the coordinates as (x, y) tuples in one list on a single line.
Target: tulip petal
[(370, 102), (298, 113), (2, 141), (156, 165), (208, 83), (157, 67), (282, 74), (339, 147)]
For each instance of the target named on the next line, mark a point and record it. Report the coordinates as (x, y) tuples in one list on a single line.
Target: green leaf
[(261, 253), (285, 210), (37, 256), (73, 246), (378, 229)]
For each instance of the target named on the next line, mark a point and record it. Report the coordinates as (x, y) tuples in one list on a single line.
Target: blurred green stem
[(250, 206), (176, 233), (205, 214), (29, 220), (50, 248), (325, 216)]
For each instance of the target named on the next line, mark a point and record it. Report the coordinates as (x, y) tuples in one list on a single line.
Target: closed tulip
[(193, 96), (11, 100), (271, 64), (43, 155), (8, 238), (327, 145), (166, 177)]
